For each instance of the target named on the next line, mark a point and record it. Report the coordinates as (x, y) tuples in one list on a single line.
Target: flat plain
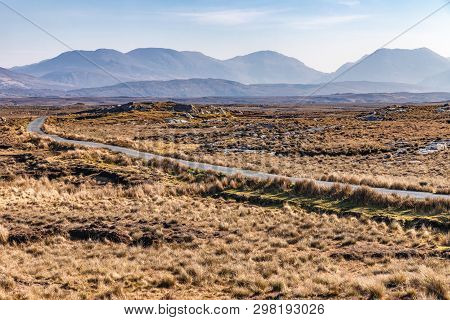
[(80, 223), (389, 147)]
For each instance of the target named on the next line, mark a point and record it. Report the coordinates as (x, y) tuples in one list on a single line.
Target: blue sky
[(324, 34)]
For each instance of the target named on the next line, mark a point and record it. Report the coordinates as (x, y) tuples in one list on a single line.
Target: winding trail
[(36, 127)]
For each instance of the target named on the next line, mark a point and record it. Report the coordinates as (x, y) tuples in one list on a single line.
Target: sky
[(324, 34)]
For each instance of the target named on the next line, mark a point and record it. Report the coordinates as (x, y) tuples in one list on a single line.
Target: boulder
[(372, 117), (184, 108)]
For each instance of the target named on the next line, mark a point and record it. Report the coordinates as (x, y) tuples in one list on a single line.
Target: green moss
[(341, 207)]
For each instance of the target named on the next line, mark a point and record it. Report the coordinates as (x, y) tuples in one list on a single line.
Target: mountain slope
[(86, 68), (172, 64), (440, 81), (106, 67), (393, 65), (14, 80), (13, 84), (271, 67)]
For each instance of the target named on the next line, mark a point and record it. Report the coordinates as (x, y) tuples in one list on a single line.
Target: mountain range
[(152, 71), (393, 65), (102, 67), (193, 88)]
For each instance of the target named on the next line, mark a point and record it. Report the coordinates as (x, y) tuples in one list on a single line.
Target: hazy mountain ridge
[(102, 67), (393, 65), (271, 67), (10, 80), (271, 73), (224, 88), (86, 68), (440, 81)]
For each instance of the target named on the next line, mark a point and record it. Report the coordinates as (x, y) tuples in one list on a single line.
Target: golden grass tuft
[(436, 286), (240, 293), (4, 235), (374, 290), (166, 281), (277, 285)]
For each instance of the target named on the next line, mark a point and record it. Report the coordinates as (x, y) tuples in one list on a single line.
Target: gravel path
[(36, 125)]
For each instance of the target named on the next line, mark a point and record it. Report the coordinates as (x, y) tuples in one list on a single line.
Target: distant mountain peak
[(94, 68), (104, 50), (105, 67), (393, 65), (266, 53), (263, 54), (152, 50)]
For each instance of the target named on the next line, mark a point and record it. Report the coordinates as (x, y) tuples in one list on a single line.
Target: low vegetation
[(89, 224), (337, 145)]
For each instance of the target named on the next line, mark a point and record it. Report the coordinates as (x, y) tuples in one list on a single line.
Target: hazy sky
[(324, 34)]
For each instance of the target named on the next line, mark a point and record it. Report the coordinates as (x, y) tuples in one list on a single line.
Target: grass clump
[(278, 285), (4, 235), (166, 281), (436, 287)]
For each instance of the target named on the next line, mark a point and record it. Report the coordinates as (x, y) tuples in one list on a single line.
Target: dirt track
[(36, 125)]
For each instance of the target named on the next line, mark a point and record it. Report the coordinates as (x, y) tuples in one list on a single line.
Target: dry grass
[(4, 235), (335, 146), (363, 196), (89, 224), (221, 249), (202, 247), (387, 182)]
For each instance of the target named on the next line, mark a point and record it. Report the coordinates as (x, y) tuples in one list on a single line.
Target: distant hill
[(102, 67), (440, 81), (393, 65), (10, 79), (349, 99), (171, 73), (342, 98), (86, 68), (227, 88), (170, 64), (13, 84), (271, 67)]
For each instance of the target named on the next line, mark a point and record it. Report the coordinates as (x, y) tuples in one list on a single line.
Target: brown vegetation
[(147, 241), (334, 146), (89, 224)]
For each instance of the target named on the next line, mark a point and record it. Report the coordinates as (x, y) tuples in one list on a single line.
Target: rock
[(174, 121), (444, 108), (184, 108), (2, 120), (435, 146), (371, 117)]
